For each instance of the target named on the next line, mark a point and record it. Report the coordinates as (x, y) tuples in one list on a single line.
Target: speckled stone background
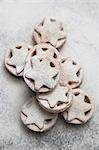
[(81, 20)]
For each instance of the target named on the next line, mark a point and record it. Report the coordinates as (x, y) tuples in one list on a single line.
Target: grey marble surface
[(81, 21)]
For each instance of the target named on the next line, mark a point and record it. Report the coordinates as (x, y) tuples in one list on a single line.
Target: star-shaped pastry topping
[(50, 31), (70, 70), (43, 73), (78, 108), (46, 51), (18, 59), (35, 114), (71, 73), (55, 96)]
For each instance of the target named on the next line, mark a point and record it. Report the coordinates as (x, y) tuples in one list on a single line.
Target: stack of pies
[(54, 80)]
